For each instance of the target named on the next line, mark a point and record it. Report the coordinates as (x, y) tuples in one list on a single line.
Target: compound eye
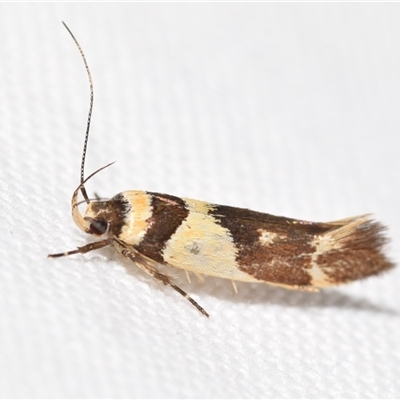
[(98, 226)]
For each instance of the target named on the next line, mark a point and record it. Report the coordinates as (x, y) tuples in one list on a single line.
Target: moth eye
[(98, 226)]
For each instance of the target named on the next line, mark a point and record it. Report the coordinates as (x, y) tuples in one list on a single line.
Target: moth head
[(101, 217), (98, 217)]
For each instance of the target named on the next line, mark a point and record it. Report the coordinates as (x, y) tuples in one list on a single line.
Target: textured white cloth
[(291, 109)]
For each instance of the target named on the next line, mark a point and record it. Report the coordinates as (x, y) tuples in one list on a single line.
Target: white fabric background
[(291, 109)]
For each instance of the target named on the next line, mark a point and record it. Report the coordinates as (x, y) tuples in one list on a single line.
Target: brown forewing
[(286, 259)]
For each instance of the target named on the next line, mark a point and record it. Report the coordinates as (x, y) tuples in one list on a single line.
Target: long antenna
[(83, 190)]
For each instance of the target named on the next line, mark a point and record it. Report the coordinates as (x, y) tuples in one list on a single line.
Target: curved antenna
[(82, 187)]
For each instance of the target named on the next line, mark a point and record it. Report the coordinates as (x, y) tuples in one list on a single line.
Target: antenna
[(82, 187)]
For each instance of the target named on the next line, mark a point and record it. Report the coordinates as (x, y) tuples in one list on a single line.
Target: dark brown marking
[(168, 213), (286, 259), (359, 256)]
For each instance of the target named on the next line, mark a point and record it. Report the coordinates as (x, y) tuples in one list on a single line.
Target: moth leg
[(234, 286), (83, 249), (188, 276), (147, 266)]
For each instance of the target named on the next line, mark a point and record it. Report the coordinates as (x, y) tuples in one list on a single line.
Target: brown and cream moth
[(228, 242)]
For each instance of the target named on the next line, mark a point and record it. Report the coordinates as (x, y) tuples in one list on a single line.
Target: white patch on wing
[(266, 237), (323, 244)]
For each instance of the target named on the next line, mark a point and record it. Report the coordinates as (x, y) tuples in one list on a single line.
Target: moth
[(153, 229)]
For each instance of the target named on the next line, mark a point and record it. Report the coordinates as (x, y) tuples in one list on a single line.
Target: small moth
[(227, 242)]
